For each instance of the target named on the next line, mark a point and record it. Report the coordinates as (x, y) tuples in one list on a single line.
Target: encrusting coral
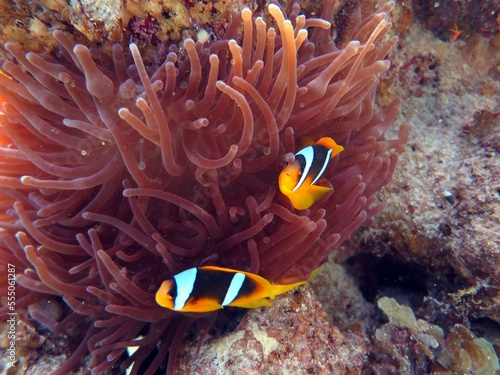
[(116, 176), (409, 345), (464, 353)]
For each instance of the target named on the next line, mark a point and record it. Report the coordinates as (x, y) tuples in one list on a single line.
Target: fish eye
[(172, 294)]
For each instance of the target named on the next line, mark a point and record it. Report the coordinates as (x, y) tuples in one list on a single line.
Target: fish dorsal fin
[(330, 144), (217, 268)]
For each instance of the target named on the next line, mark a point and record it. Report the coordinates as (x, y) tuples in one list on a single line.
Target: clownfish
[(210, 288), (297, 180)]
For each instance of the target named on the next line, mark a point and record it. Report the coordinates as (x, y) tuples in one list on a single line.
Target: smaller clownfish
[(210, 288), (297, 180)]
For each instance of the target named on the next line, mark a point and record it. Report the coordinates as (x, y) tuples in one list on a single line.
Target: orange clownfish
[(297, 180), (210, 288)]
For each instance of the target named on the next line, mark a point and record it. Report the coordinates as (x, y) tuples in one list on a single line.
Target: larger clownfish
[(210, 288), (297, 180)]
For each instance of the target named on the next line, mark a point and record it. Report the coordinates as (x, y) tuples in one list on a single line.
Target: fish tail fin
[(330, 144), (308, 195)]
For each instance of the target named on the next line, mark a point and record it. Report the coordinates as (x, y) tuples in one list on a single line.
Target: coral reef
[(436, 248), (460, 352), (100, 24), (485, 129), (464, 353), (117, 175), (291, 337), (429, 260), (404, 345), (445, 216), (342, 299), (468, 17)]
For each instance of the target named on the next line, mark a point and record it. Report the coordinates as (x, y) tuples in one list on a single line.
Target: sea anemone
[(116, 175)]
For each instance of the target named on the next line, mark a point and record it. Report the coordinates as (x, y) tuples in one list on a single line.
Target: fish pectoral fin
[(305, 197), (330, 144)]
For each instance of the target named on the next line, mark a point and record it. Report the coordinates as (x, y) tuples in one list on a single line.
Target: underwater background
[(414, 290)]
